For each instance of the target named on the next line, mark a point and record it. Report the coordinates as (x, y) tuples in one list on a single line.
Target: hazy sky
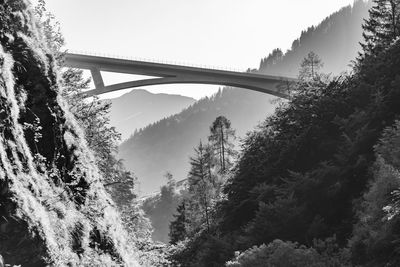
[(232, 33)]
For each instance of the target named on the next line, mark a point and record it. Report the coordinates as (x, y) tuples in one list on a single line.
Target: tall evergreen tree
[(221, 137), (273, 58), (177, 228), (383, 25), (161, 208), (200, 186)]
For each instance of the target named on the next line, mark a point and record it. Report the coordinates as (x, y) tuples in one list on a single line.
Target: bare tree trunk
[(223, 149), (393, 6)]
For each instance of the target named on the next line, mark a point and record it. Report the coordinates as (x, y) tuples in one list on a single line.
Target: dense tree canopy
[(324, 160)]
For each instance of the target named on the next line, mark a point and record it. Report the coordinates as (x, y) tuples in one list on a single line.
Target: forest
[(317, 183), (166, 145)]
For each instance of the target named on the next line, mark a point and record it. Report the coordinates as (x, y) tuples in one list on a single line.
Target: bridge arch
[(173, 74)]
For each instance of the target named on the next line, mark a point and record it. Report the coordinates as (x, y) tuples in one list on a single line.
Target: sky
[(229, 33)]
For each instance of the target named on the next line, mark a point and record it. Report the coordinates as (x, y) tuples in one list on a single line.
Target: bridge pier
[(97, 78)]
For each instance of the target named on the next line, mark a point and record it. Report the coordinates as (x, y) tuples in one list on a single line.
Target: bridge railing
[(150, 60)]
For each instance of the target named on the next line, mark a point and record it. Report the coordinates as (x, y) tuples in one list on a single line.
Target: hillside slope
[(54, 210), (139, 108), (167, 144), (336, 40)]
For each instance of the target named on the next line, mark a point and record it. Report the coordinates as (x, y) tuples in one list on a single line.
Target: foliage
[(55, 211), (166, 144), (285, 254), (374, 237), (273, 58), (203, 250), (382, 27), (160, 209), (51, 29), (209, 169), (102, 138), (93, 117), (305, 174), (221, 141), (310, 67), (178, 226), (200, 189), (336, 40)]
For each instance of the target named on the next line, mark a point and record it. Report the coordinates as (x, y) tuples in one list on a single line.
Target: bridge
[(172, 74)]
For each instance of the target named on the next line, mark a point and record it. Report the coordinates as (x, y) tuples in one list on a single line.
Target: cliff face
[(53, 209)]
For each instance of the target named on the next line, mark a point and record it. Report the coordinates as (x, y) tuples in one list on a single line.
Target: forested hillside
[(54, 209), (167, 144), (336, 40), (317, 184), (139, 108)]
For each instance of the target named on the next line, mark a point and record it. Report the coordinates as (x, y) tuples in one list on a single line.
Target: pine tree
[(383, 25), (273, 58), (177, 228), (221, 137), (200, 186), (160, 209)]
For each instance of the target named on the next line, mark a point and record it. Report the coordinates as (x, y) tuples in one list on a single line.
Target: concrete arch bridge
[(172, 74)]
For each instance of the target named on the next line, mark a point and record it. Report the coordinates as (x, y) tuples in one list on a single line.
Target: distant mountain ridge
[(167, 144), (336, 40), (139, 108)]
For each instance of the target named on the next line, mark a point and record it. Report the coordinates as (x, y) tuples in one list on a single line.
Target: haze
[(229, 33)]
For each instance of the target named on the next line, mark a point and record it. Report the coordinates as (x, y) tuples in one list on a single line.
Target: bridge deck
[(170, 73)]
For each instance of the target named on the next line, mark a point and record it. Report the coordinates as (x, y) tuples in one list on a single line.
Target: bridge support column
[(97, 78)]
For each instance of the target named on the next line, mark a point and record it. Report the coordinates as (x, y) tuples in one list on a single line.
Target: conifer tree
[(273, 58), (177, 227), (383, 25), (221, 137), (200, 186)]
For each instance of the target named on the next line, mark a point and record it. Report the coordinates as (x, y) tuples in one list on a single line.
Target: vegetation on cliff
[(54, 207)]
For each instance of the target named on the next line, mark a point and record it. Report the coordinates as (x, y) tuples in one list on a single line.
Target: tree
[(160, 209), (273, 58), (177, 228), (51, 29), (309, 67), (200, 186), (283, 254), (92, 115), (221, 137), (54, 212), (383, 25), (375, 236)]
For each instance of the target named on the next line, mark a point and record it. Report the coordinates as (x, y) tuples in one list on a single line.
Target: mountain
[(318, 183), (138, 108), (336, 40), (167, 144)]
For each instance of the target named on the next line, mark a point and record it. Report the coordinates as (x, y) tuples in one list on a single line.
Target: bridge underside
[(173, 74)]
